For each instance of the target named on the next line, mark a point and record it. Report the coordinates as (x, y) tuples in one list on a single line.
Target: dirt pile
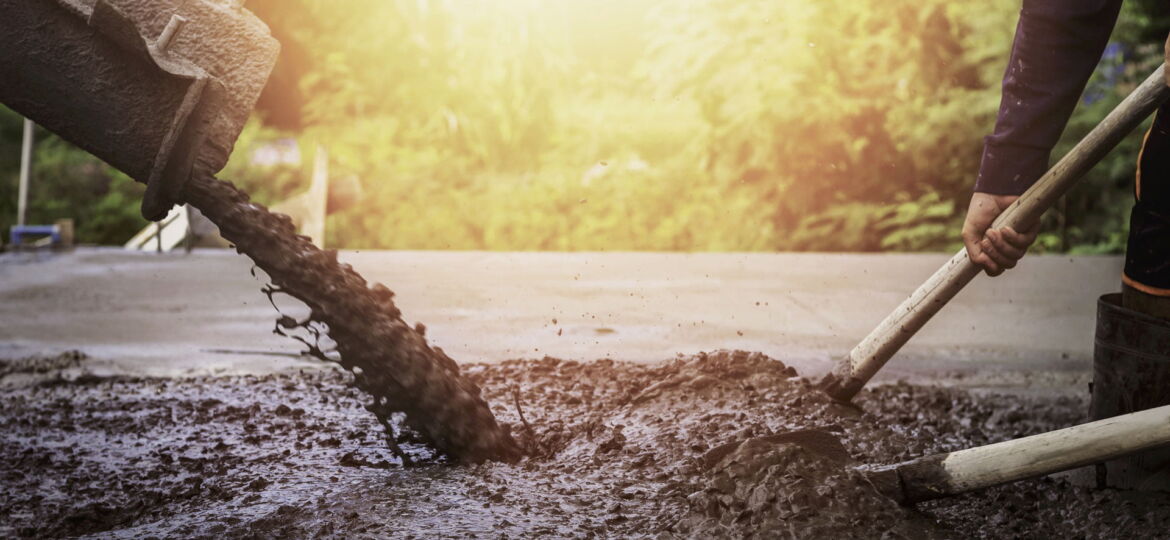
[(692, 447)]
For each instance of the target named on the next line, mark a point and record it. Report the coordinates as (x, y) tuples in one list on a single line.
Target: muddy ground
[(685, 447)]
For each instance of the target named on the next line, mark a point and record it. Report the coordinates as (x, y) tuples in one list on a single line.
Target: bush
[(67, 183), (839, 125)]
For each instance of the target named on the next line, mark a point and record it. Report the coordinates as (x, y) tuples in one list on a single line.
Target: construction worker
[(1057, 46)]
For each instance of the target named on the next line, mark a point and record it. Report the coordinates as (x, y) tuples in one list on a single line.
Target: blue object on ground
[(18, 232)]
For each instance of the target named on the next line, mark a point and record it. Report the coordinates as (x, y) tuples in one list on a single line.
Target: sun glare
[(643, 124)]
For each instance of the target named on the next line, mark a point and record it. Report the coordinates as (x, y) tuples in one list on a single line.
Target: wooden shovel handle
[(943, 475), (883, 342)]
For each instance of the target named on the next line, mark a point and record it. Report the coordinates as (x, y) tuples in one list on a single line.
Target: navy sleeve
[(1057, 46)]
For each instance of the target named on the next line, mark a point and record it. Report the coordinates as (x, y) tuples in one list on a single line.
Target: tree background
[(692, 125)]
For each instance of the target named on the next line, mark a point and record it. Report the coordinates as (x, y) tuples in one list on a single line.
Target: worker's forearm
[(1057, 46)]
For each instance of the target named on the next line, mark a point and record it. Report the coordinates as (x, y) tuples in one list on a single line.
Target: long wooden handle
[(942, 475), (883, 342)]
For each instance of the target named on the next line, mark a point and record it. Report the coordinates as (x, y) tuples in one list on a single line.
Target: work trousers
[(1147, 256)]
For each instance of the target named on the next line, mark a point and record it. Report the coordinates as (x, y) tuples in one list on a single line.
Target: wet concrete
[(356, 325), (681, 447)]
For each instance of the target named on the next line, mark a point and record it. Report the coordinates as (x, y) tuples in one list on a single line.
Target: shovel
[(952, 473), (864, 361)]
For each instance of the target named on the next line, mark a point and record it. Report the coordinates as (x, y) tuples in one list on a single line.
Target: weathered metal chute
[(156, 88)]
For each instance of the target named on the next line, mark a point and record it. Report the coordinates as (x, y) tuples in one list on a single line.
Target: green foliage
[(411, 86), (838, 125), (1093, 218), (920, 224), (67, 183), (266, 184), (857, 120), (758, 125)]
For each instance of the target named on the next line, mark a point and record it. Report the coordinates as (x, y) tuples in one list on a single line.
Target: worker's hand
[(995, 250)]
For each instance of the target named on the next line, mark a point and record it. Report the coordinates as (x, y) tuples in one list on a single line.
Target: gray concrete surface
[(167, 314)]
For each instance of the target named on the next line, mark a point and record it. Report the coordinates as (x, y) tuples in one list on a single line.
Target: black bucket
[(1131, 372)]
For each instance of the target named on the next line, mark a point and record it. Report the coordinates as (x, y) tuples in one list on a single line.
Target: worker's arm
[(1057, 46)]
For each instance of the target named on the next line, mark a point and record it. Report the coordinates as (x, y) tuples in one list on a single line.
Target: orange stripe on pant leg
[(1153, 291)]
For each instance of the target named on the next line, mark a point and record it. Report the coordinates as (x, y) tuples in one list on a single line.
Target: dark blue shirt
[(1058, 44)]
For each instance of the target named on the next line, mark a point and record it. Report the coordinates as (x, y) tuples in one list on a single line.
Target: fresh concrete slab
[(203, 313)]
